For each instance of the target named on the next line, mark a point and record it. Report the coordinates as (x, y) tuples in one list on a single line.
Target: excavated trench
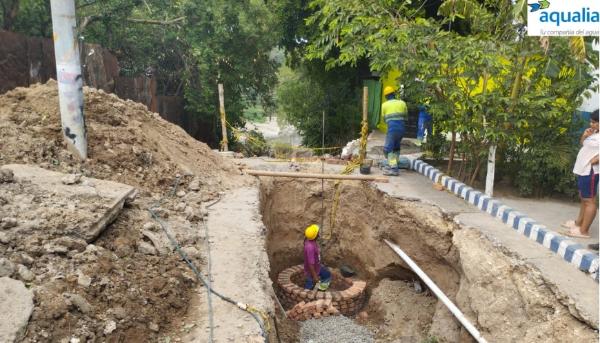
[(505, 298)]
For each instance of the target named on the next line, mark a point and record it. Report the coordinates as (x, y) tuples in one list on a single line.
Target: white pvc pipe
[(68, 75), (449, 304)]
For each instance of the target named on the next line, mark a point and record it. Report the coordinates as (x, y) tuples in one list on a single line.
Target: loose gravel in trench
[(334, 329)]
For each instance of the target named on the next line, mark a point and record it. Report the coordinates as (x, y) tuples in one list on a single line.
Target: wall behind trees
[(28, 60)]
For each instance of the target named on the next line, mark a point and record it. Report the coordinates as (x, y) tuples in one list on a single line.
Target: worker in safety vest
[(316, 274), (394, 113)]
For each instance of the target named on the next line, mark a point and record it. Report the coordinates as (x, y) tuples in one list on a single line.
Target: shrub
[(251, 143)]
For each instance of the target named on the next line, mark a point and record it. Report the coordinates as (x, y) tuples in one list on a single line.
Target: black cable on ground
[(192, 266)]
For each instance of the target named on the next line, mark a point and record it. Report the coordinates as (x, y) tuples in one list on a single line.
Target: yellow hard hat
[(311, 232), (388, 90)]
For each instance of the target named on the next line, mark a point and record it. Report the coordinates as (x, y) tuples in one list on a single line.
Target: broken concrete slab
[(81, 210), (78, 302), (16, 306), (7, 268), (160, 242), (146, 248)]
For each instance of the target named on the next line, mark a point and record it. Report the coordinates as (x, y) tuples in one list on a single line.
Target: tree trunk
[(462, 167), (475, 172), (451, 154)]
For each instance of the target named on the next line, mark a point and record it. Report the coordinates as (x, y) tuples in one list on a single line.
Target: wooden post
[(224, 141), (365, 112), (365, 118), (374, 178)]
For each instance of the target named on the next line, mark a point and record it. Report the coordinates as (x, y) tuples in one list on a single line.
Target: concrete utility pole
[(68, 75), (224, 142)]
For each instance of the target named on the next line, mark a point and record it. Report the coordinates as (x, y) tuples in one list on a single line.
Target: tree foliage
[(488, 84), (310, 93), (313, 88), (188, 45), (193, 45)]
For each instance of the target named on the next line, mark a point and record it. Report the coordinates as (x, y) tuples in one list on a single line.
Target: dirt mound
[(126, 142), (128, 285)]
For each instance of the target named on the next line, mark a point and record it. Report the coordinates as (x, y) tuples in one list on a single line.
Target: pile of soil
[(127, 285), (126, 142)]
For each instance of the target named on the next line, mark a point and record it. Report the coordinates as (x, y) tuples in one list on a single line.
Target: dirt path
[(240, 269)]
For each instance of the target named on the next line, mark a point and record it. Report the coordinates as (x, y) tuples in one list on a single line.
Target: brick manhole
[(346, 295)]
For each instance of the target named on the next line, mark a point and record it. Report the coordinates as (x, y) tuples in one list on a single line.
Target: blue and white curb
[(567, 249)]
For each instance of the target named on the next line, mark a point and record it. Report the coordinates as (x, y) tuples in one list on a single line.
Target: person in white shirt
[(586, 169)]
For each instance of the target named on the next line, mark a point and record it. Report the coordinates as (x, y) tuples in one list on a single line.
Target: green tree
[(314, 88), (192, 46), (487, 82), (309, 93)]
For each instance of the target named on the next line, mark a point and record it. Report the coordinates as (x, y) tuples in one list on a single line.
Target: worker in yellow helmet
[(315, 273), (394, 113)]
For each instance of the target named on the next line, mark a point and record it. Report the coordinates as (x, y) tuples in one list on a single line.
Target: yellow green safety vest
[(394, 110)]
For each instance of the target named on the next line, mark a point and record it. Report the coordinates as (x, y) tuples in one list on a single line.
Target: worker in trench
[(317, 275), (394, 113)]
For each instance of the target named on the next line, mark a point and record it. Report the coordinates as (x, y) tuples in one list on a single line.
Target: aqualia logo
[(540, 5), (563, 18)]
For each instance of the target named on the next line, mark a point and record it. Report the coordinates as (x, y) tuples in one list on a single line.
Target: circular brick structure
[(347, 295)]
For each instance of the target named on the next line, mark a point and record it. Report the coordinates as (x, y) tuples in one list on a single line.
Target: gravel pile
[(334, 329)]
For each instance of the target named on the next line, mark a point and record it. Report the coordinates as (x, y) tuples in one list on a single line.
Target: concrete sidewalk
[(551, 213)]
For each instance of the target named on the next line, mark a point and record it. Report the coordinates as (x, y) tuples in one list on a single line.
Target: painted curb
[(569, 250)]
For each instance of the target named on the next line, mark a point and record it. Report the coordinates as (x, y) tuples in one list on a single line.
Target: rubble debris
[(83, 280), (119, 312), (180, 207), (6, 176), (153, 326), (5, 237), (110, 327), (54, 248), (146, 248), (79, 302), (59, 210), (144, 152), (24, 273), (150, 226), (191, 215), (7, 268), (192, 252), (194, 185), (23, 258), (16, 306), (71, 179), (8, 222), (161, 245)]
